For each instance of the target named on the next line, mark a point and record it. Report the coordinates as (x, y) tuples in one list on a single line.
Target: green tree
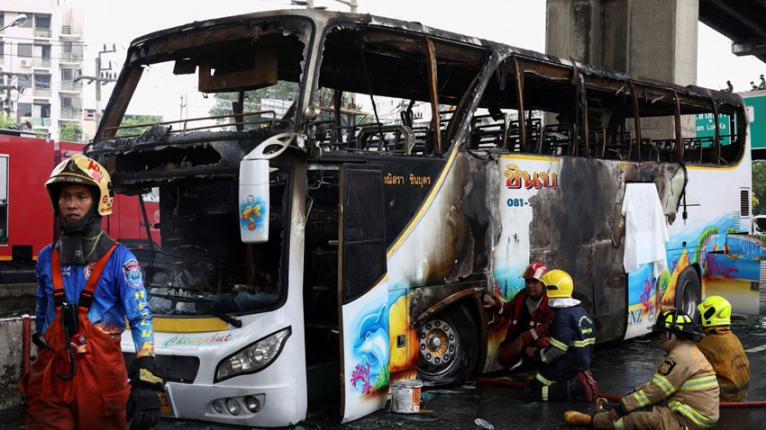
[(6, 121), (759, 187), (282, 90), (71, 133), (134, 120)]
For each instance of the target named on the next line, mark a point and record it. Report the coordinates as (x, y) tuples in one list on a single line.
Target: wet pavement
[(618, 367)]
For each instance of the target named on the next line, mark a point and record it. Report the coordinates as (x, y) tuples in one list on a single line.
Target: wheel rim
[(439, 345)]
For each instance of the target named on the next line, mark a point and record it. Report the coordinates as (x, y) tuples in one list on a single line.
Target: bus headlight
[(253, 357)]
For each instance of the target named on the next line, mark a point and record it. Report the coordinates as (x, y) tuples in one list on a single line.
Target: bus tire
[(688, 292), (449, 347)]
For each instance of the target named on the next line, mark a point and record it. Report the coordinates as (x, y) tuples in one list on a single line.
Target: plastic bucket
[(405, 396)]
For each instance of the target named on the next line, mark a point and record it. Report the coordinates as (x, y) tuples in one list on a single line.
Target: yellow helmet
[(677, 322), (715, 310), (82, 170), (558, 283)]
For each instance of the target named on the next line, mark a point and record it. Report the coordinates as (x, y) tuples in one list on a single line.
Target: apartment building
[(39, 61)]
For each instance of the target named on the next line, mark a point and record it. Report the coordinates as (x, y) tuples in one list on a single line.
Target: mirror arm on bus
[(254, 169)]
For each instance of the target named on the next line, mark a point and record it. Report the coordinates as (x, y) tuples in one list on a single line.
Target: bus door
[(362, 292)]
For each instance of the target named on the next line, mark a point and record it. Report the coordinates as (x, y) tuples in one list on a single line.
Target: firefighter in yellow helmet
[(723, 349), (564, 373), (88, 287), (682, 394)]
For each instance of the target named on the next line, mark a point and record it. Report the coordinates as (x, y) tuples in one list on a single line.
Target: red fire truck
[(26, 218)]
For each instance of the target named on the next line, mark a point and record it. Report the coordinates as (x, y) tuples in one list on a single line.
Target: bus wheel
[(688, 292), (448, 346)]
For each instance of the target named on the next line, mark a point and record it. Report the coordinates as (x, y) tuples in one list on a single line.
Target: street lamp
[(18, 21)]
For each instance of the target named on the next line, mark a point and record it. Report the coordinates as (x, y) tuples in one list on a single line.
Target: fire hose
[(615, 397)]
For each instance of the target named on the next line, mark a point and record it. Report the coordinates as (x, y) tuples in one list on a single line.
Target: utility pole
[(184, 102), (7, 84), (101, 77)]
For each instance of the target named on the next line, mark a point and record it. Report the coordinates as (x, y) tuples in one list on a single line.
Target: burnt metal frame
[(156, 45)]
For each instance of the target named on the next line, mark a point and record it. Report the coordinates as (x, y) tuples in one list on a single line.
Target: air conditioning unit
[(25, 62)]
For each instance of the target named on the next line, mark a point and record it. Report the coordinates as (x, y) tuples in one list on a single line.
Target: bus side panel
[(729, 263), (643, 300), (365, 353)]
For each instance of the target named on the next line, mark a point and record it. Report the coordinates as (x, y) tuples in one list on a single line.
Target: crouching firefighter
[(88, 286), (723, 349), (683, 393), (564, 373), (529, 315)]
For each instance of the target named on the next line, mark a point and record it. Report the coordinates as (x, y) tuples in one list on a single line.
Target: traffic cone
[(577, 418)]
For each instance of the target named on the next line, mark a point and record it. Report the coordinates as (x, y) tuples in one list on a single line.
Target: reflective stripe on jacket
[(725, 353), (684, 382), (573, 333)]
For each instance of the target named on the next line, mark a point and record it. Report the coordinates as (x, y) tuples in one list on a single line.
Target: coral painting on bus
[(371, 351), (728, 264)]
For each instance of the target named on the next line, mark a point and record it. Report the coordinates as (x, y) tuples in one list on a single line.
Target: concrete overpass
[(651, 38), (744, 22)]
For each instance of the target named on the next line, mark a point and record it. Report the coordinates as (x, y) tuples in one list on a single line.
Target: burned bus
[(360, 182)]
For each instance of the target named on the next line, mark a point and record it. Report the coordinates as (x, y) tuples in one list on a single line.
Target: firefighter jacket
[(533, 327), (119, 295), (725, 353), (572, 333), (685, 383)]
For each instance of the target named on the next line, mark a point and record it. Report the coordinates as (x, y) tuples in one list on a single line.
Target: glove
[(143, 409)]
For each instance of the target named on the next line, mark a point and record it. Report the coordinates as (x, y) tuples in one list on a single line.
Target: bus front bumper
[(276, 404)]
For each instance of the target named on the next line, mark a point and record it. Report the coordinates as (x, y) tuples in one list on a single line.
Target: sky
[(518, 23)]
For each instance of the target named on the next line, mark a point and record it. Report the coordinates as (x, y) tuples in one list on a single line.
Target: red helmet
[(535, 271)]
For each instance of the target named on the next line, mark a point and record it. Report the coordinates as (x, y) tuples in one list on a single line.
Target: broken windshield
[(196, 263), (234, 78)]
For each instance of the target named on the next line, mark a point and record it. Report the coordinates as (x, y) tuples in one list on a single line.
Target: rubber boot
[(576, 418), (601, 404)]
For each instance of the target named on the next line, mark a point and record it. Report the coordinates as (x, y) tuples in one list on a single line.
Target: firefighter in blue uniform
[(564, 374), (88, 287)]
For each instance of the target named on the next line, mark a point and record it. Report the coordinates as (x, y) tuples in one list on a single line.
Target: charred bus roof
[(477, 63), (167, 43)]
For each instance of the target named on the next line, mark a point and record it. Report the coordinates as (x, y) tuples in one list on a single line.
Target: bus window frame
[(456, 127), (637, 90), (159, 47)]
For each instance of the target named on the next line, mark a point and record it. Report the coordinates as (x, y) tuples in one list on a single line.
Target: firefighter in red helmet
[(529, 315), (89, 287)]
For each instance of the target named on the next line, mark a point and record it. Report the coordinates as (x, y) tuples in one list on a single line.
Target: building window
[(42, 81), (3, 199), (67, 75), (43, 51), (2, 19), (42, 21), (2, 46), (25, 50), (42, 110), (25, 110)]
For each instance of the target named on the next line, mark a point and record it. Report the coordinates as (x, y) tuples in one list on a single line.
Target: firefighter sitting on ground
[(530, 317), (723, 349), (683, 393), (564, 373), (88, 285)]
